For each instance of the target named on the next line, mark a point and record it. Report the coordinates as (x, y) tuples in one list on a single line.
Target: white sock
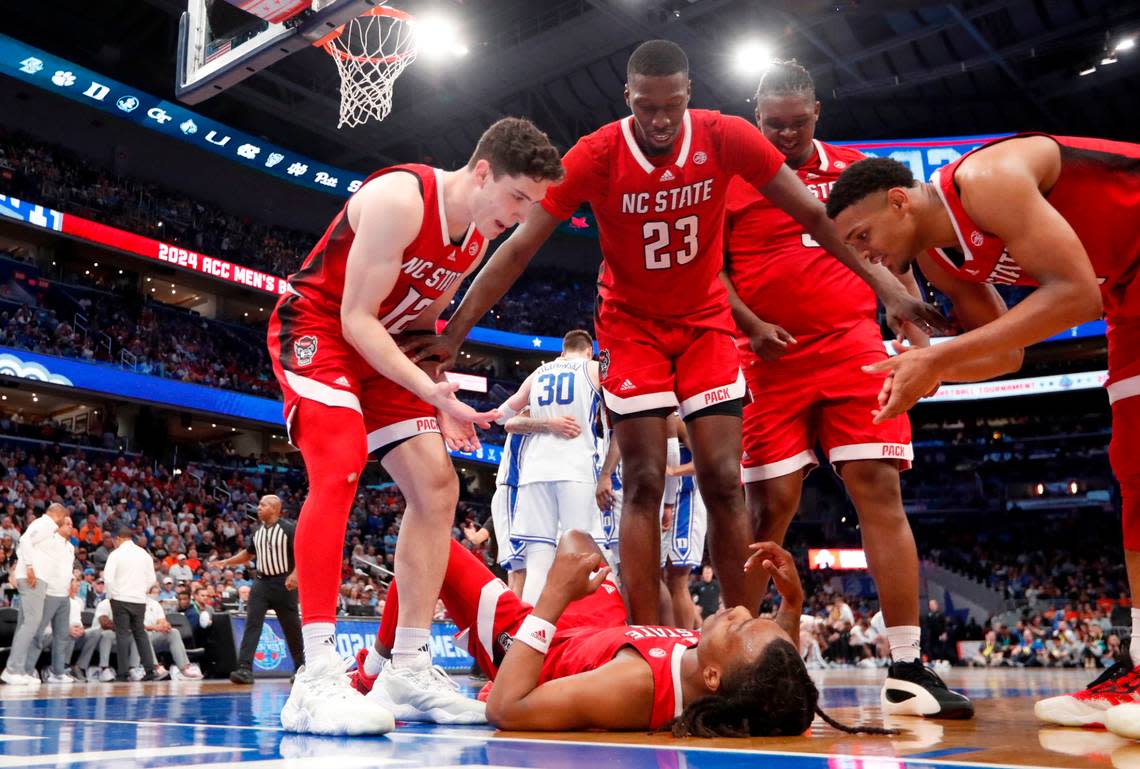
[(373, 662), (539, 559), (1134, 644), (411, 649), (904, 640), (319, 639)]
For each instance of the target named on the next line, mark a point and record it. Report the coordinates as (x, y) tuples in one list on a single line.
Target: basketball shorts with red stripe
[(794, 408), (311, 359), (651, 363)]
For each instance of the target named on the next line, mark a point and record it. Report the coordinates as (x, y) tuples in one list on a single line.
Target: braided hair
[(771, 697), (784, 78)]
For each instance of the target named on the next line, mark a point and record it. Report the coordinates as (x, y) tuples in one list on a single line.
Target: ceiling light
[(1110, 59), (1125, 44), (752, 57), (437, 37), (1087, 71)]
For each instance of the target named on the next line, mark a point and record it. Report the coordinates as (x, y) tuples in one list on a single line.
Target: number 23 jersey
[(661, 217)]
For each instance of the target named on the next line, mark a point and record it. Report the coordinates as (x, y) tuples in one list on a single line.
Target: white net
[(370, 52)]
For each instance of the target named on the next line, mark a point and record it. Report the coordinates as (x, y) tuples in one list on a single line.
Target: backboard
[(222, 42)]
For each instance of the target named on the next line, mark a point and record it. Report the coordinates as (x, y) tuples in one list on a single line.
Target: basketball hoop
[(370, 52)]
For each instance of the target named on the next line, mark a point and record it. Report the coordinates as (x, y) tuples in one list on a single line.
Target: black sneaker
[(242, 676), (912, 689)]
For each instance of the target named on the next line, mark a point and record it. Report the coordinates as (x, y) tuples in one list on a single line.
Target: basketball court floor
[(205, 724)]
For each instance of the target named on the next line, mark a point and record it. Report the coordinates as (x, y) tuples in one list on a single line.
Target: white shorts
[(684, 543), (512, 552), (545, 510)]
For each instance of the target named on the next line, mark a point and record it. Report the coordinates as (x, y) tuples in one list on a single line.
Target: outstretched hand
[(911, 375), (438, 351), (903, 308), (442, 396), (779, 565), (576, 575)]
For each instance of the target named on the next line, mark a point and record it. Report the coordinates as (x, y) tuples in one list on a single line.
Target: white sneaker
[(137, 673), (94, 674), (322, 701), (191, 673), (106, 676), (160, 672), (13, 678), (65, 680), (1123, 720), (425, 694)]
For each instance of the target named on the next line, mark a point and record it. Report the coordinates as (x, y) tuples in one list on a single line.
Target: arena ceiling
[(882, 69)]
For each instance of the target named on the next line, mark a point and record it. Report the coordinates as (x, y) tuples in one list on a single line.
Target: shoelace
[(927, 675), (435, 678), (334, 683), (1121, 678)]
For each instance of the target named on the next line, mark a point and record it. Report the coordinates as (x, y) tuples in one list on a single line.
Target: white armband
[(505, 413), (535, 633)]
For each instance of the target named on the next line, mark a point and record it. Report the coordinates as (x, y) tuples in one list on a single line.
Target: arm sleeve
[(583, 180), (754, 159)]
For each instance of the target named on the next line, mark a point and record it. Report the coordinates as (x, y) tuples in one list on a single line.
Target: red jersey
[(661, 217), (788, 279), (581, 649), (432, 263), (1098, 194)]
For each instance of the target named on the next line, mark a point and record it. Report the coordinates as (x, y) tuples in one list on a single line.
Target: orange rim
[(379, 10)]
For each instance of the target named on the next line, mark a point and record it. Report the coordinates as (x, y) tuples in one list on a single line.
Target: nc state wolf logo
[(305, 348)]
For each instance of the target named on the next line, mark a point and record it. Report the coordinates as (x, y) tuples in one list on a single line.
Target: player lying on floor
[(571, 662)]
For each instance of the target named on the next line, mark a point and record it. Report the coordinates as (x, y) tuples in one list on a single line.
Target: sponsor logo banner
[(273, 658), (60, 76)]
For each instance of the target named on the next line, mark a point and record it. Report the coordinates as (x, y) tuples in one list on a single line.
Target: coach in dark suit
[(274, 588)]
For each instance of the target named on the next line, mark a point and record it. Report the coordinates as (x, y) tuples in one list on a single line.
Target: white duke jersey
[(510, 461), (562, 388)]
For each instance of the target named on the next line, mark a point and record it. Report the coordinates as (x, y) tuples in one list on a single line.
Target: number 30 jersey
[(661, 218), (562, 388), (431, 263)]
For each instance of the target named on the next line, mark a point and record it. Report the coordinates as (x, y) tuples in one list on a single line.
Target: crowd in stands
[(52, 175), (145, 337), (185, 519)]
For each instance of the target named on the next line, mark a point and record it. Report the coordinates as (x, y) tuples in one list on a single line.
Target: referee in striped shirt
[(275, 587)]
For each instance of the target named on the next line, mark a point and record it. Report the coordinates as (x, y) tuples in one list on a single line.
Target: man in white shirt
[(33, 593), (163, 635), (129, 575), (53, 561), (100, 636), (180, 572)]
